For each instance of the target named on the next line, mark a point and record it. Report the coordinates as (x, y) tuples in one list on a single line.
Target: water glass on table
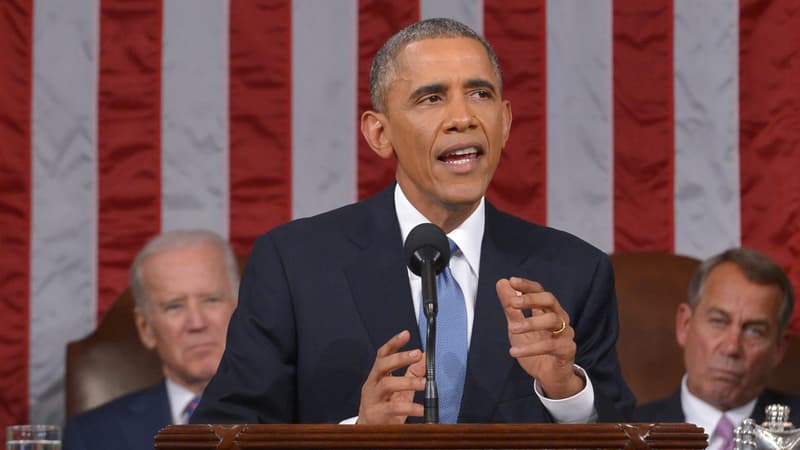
[(33, 437)]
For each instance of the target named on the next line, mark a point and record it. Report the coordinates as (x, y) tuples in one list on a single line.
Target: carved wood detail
[(413, 436)]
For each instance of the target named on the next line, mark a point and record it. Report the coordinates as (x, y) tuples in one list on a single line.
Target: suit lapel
[(674, 408), (489, 363), (767, 397), (378, 279), (146, 413)]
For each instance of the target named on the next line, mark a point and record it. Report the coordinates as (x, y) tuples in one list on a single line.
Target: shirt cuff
[(576, 409), (350, 421)]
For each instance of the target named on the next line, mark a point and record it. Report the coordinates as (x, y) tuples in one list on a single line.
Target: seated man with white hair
[(185, 285)]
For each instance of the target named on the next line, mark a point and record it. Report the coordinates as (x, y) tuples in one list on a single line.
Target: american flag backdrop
[(638, 125)]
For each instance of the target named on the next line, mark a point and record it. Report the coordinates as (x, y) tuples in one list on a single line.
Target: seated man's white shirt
[(465, 267), (700, 413), (178, 397)]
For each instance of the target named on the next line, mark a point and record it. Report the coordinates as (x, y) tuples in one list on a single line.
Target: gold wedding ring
[(560, 330)]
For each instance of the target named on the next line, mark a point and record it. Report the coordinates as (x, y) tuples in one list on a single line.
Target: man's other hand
[(385, 398)]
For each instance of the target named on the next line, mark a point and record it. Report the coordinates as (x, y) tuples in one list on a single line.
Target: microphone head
[(427, 241)]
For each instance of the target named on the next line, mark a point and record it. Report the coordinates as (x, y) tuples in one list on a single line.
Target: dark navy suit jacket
[(320, 295), (669, 409), (127, 423)]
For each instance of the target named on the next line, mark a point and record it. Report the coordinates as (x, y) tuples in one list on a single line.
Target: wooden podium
[(419, 436)]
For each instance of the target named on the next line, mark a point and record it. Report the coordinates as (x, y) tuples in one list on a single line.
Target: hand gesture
[(543, 343), (385, 398)]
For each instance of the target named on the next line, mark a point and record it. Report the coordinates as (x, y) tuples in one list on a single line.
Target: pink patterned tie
[(724, 430)]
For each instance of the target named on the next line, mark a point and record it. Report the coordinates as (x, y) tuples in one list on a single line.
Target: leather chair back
[(110, 362), (650, 286)]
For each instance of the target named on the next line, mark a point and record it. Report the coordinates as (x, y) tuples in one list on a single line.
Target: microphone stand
[(430, 308)]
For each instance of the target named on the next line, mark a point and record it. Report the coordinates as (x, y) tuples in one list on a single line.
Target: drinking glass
[(33, 437)]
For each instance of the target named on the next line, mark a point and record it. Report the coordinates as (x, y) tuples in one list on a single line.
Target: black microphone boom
[(428, 252)]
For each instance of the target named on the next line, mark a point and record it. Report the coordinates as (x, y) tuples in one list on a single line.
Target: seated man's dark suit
[(320, 295), (669, 409), (127, 423)]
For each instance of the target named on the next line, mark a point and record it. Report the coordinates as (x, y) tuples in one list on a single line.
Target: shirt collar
[(179, 396), (699, 412), (468, 236)]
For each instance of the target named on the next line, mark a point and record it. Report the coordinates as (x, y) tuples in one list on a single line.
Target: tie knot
[(190, 407), (453, 247), (724, 427)]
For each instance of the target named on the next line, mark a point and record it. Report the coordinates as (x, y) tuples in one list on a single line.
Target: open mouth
[(463, 155)]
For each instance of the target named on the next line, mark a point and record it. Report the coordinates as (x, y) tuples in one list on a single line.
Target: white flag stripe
[(194, 115), (63, 303), (580, 120), (324, 111), (469, 12), (707, 207)]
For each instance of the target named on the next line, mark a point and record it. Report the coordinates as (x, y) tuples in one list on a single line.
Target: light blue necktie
[(451, 342)]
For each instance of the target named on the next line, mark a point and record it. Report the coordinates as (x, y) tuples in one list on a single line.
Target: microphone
[(428, 252)]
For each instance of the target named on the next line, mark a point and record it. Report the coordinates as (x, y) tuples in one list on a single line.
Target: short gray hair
[(757, 268), (384, 63), (174, 240)]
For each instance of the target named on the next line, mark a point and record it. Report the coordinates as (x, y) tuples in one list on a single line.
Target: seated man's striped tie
[(189, 409)]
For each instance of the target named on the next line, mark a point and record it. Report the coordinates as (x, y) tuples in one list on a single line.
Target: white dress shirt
[(702, 414), (178, 397)]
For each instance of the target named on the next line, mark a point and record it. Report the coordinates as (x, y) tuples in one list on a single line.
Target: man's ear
[(146, 334), (507, 118), (682, 318), (376, 133)]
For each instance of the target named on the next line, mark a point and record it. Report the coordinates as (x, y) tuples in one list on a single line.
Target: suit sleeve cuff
[(576, 409)]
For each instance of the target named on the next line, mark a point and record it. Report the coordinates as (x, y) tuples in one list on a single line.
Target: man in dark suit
[(733, 333), (327, 325), (184, 283)]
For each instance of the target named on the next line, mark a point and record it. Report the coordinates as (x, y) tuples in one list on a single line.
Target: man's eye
[(482, 93), (717, 322), (172, 306), (756, 331), (431, 99)]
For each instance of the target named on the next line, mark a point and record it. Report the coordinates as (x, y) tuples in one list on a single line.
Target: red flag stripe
[(260, 118), (769, 131), (644, 158), (129, 138), (517, 31), (377, 21), (16, 31)]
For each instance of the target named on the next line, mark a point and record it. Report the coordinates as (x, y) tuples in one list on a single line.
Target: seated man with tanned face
[(733, 334), (185, 286)]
